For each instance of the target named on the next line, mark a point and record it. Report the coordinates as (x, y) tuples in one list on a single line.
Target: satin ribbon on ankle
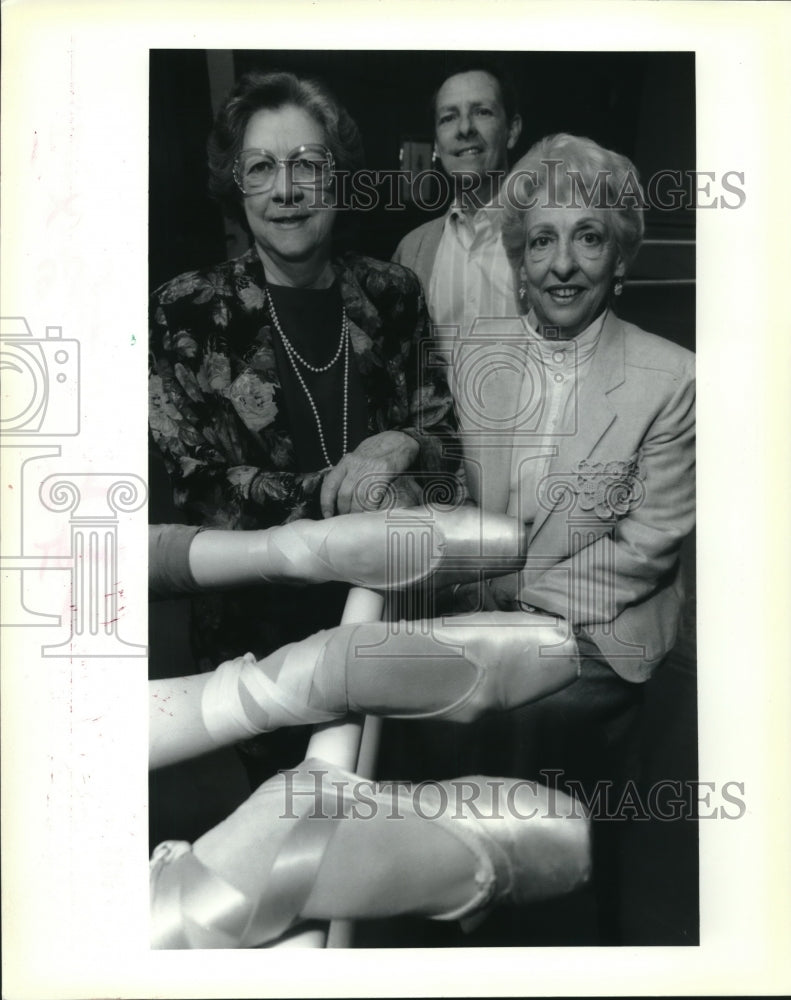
[(390, 551), (292, 552), (400, 568), (365, 666), (275, 703), (192, 907)]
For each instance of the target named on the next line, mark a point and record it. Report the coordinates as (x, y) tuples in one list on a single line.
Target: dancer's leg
[(376, 550), (321, 843), (456, 670)]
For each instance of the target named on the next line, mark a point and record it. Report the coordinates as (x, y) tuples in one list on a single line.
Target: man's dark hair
[(504, 81)]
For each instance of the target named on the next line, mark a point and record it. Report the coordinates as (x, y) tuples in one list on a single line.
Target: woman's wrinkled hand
[(361, 479)]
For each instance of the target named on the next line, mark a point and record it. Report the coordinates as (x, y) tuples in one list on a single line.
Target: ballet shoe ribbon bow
[(192, 907)]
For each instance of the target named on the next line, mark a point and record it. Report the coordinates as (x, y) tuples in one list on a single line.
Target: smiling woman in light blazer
[(582, 426), (578, 423)]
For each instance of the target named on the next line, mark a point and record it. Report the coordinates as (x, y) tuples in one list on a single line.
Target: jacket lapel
[(486, 382), (365, 344), (428, 251)]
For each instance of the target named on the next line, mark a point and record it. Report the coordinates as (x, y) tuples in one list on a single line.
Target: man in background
[(459, 257)]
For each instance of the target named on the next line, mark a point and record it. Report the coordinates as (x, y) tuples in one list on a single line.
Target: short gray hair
[(575, 160)]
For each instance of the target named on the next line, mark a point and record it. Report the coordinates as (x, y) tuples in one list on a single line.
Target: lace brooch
[(610, 489)]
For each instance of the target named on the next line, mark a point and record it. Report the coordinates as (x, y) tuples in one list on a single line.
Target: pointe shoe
[(391, 550), (537, 838), (321, 843), (456, 670)]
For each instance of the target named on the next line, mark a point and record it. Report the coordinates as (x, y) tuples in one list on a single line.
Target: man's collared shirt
[(472, 276)]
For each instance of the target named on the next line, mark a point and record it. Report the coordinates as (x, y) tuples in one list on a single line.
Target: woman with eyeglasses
[(287, 383), (284, 385)]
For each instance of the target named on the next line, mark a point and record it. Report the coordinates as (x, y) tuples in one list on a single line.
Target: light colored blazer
[(619, 495), (418, 250)]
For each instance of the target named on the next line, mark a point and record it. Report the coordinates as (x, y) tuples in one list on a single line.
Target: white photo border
[(74, 252)]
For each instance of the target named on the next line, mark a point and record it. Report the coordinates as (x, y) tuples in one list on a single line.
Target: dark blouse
[(311, 319)]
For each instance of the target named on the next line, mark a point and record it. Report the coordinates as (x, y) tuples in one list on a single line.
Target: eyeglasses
[(255, 170)]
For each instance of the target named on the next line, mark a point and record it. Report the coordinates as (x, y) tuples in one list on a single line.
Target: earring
[(434, 157), (617, 287)]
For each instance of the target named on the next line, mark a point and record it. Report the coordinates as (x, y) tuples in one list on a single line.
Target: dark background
[(640, 104)]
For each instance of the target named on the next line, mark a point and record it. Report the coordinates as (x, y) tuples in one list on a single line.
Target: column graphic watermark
[(40, 410)]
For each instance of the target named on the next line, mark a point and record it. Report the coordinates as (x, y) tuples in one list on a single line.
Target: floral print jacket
[(215, 407)]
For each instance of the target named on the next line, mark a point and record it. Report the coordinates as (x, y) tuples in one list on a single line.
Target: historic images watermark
[(666, 800), (666, 190)]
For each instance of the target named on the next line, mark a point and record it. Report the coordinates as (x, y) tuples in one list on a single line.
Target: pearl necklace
[(294, 356)]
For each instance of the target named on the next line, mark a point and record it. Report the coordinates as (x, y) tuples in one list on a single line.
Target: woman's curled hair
[(257, 91), (565, 163)]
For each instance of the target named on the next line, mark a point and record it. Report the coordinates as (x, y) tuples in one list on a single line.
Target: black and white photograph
[(456, 393), (390, 544)]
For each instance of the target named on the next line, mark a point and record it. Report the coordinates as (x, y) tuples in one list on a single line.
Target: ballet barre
[(473, 541), (352, 744)]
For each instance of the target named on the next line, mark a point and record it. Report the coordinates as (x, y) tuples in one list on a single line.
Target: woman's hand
[(380, 458)]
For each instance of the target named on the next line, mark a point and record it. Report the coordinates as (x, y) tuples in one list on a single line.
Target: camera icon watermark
[(41, 381), (500, 382), (74, 573)]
